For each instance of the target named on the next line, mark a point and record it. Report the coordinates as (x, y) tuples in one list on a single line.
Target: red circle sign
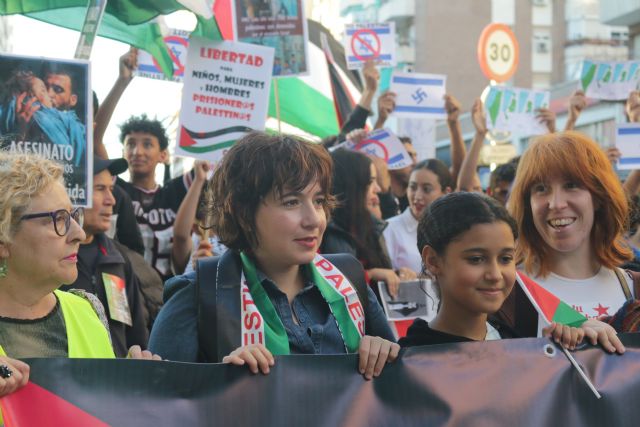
[(374, 47), (178, 66), (498, 52), (377, 147)]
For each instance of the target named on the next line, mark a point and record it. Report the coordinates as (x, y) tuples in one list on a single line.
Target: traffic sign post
[(498, 52)]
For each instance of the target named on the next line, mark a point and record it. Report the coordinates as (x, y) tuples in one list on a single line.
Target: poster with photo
[(416, 298), (280, 24), (46, 109)]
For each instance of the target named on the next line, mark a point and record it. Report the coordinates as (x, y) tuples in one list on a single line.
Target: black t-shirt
[(156, 212), (419, 333), (127, 231), (43, 337)]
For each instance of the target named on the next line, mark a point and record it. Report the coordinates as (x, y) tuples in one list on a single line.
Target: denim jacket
[(175, 335)]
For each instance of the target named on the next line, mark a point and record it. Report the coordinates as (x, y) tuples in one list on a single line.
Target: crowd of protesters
[(280, 251)]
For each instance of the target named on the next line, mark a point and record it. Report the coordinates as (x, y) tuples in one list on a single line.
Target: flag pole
[(276, 94), (92, 19), (537, 307), (581, 372)]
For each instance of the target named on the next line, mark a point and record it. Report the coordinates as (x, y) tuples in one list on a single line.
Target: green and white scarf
[(261, 324)]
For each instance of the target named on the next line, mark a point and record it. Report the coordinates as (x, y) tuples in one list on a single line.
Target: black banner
[(499, 383)]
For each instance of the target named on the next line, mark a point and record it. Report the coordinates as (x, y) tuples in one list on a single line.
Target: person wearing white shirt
[(429, 180)]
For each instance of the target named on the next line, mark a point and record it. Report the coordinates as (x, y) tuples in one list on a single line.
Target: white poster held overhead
[(384, 144), (628, 142), (374, 42), (511, 109), (609, 80), (177, 44), (419, 95), (422, 134), (225, 96)]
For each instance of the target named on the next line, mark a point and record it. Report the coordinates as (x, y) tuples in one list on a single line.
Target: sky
[(159, 99)]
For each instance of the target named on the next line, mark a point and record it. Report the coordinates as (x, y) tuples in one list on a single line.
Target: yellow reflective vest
[(87, 338)]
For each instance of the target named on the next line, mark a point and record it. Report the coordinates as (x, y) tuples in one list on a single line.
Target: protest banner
[(374, 42), (514, 110), (628, 142), (415, 299), (384, 144), (609, 80), (177, 43), (280, 24), (511, 382), (225, 96), (46, 109), (419, 95)]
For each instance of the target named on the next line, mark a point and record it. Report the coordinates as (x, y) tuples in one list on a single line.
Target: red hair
[(577, 157)]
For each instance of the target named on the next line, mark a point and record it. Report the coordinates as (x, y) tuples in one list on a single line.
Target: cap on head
[(115, 166)]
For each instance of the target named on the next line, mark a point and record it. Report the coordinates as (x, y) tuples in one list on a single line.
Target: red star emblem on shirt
[(601, 310)]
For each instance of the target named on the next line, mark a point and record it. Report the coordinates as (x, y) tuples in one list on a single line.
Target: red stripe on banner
[(222, 14), (37, 406)]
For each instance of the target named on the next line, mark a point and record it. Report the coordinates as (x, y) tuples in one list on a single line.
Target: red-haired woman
[(571, 209)]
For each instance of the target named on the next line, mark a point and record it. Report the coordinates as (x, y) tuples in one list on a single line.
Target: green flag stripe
[(132, 12), (144, 36), (304, 107), (208, 148), (566, 315)]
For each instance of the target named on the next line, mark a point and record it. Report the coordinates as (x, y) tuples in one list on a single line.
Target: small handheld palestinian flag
[(549, 306)]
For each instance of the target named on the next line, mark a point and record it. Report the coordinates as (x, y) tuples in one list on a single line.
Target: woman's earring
[(4, 268)]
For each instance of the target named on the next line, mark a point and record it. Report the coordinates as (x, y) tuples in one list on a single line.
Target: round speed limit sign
[(498, 52)]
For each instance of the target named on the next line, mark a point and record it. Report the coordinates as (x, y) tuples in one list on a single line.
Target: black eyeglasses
[(61, 219)]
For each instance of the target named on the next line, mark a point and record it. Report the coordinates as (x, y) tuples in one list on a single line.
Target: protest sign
[(384, 144), (46, 109), (280, 24), (177, 44), (419, 95), (628, 142), (416, 299), (514, 110), (225, 96), (609, 80), (365, 42)]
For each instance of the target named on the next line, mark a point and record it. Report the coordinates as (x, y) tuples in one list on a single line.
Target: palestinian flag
[(549, 306), (320, 102), (135, 22)]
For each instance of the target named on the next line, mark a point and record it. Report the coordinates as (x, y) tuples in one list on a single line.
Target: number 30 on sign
[(498, 52)]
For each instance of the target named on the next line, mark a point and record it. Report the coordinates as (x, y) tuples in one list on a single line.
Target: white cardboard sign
[(225, 96)]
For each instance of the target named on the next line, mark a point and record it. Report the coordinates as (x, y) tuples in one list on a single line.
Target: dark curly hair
[(144, 124), (256, 165), (453, 214)]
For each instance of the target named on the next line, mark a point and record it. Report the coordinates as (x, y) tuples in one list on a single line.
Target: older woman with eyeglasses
[(40, 234)]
